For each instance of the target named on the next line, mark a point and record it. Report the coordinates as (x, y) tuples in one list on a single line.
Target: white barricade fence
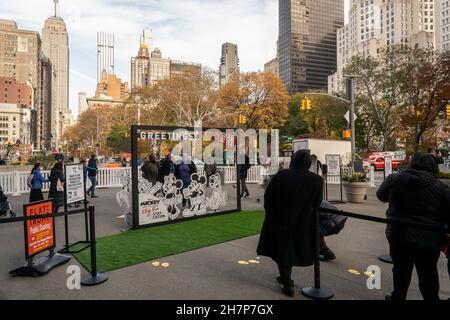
[(15, 183)]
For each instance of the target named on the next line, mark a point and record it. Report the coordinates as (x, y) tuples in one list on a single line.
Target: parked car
[(378, 164)]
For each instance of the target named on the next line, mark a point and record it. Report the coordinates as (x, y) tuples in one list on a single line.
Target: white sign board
[(74, 183), (347, 116), (387, 166), (333, 164)]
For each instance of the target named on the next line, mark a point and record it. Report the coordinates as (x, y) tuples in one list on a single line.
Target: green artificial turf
[(134, 247)]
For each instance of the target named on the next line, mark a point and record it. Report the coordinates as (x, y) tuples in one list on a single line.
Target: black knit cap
[(301, 160)]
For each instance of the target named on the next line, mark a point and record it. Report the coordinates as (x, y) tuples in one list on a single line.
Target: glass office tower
[(307, 42)]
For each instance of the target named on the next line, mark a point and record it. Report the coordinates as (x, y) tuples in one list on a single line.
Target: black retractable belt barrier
[(95, 278), (43, 265), (319, 293)]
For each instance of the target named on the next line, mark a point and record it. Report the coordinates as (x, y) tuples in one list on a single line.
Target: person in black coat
[(56, 191), (243, 173), (416, 195), (290, 201)]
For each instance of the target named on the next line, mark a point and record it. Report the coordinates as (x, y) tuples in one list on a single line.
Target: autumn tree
[(184, 100), (425, 91), (325, 120), (260, 97), (378, 91)]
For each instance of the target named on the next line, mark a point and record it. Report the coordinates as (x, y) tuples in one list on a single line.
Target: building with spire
[(140, 63), (55, 46)]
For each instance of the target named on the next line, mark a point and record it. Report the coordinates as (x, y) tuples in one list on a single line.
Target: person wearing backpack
[(56, 191), (35, 182)]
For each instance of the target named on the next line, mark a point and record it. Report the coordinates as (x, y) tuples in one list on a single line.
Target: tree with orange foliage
[(260, 97)]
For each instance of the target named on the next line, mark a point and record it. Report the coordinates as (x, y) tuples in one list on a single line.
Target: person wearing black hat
[(287, 236)]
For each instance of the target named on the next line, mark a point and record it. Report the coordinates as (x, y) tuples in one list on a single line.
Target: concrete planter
[(356, 191)]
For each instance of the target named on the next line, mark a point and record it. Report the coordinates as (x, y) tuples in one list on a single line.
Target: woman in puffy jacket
[(416, 195), (37, 182)]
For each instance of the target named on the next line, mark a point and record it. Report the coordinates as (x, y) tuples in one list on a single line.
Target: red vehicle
[(378, 164)]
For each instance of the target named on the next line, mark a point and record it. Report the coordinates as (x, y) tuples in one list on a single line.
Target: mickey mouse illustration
[(218, 197), (172, 195), (196, 194)]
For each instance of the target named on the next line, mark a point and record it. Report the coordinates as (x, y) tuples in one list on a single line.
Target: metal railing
[(15, 182)]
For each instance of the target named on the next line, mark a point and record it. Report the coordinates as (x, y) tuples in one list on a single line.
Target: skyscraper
[(377, 24), (307, 42), (140, 64), (55, 46), (105, 54), (229, 63), (442, 18)]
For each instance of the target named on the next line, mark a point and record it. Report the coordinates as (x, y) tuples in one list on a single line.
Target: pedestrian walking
[(56, 191), (416, 195), (290, 201), (150, 169), (35, 181), (243, 173), (92, 170)]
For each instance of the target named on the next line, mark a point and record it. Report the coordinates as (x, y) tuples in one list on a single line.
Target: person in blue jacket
[(36, 183), (92, 170)]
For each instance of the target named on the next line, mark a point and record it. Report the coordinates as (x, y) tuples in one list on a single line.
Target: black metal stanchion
[(95, 278), (317, 292)]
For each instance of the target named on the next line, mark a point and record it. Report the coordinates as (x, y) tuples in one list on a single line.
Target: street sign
[(40, 233), (74, 183), (387, 166), (347, 116), (333, 164)]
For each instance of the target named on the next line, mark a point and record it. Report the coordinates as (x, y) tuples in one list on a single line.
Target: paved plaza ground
[(211, 272)]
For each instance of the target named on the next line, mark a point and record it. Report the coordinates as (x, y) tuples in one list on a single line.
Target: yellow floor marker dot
[(156, 264), (253, 261), (369, 274), (354, 272), (243, 262), (165, 265)]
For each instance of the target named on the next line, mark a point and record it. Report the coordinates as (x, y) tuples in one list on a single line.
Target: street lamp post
[(351, 102), (181, 101)]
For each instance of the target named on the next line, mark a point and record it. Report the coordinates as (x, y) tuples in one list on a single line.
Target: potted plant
[(355, 187), (445, 177)]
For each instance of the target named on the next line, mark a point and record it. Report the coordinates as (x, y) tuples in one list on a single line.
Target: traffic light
[(306, 104), (347, 134), (448, 112), (242, 119)]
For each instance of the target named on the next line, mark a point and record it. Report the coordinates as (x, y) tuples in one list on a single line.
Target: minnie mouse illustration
[(172, 195), (196, 194)]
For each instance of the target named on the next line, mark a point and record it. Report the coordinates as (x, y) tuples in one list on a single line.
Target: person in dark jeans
[(416, 195), (243, 172), (290, 200), (56, 191), (92, 170)]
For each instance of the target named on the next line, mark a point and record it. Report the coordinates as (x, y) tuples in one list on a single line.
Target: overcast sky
[(191, 30)]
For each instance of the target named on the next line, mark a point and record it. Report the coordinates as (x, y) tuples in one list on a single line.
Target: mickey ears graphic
[(199, 179), (179, 184)]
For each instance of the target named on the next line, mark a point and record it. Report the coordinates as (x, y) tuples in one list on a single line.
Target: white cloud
[(191, 30)]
